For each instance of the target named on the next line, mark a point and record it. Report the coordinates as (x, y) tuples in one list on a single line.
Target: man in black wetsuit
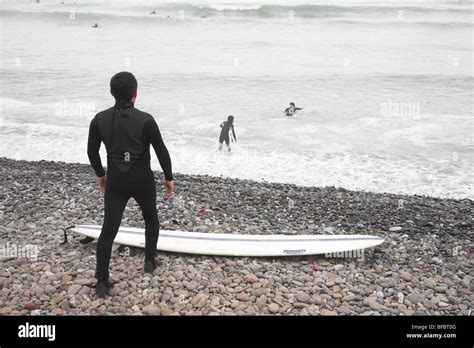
[(127, 134), (227, 126), (290, 111)]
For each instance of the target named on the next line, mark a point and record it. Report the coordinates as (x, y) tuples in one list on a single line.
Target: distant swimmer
[(153, 12), (95, 25), (227, 132), (291, 110)]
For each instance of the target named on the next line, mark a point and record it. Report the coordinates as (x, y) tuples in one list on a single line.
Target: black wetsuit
[(290, 112), (224, 136), (127, 134)]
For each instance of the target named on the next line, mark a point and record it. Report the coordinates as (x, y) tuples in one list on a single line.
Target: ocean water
[(386, 87)]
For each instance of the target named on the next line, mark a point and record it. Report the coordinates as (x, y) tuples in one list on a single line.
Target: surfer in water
[(291, 110), (127, 134), (227, 128), (95, 25)]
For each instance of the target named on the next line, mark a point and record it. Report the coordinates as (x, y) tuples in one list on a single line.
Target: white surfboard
[(231, 137), (239, 244)]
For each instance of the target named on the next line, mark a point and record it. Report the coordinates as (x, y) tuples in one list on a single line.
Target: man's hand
[(169, 188), (102, 183)]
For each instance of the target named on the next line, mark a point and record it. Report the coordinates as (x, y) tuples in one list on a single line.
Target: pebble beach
[(424, 266)]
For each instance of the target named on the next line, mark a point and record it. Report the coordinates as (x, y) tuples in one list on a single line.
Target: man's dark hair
[(292, 103), (123, 86)]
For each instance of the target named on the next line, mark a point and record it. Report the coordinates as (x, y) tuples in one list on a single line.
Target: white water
[(350, 66)]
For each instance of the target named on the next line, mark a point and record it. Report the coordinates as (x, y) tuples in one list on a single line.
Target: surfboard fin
[(86, 240)]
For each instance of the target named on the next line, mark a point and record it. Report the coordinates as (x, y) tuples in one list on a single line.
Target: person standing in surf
[(227, 131), (291, 110), (127, 134)]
